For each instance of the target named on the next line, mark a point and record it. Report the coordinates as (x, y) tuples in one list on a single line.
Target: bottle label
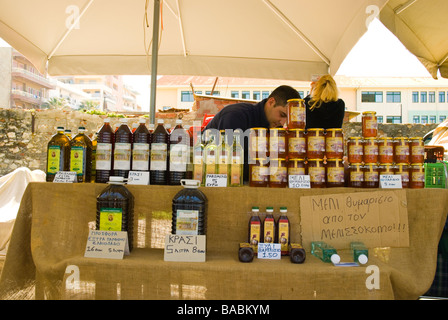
[(235, 174), (54, 157), (159, 155), (283, 235), (140, 157), (269, 230), (122, 156), (111, 219), (77, 160), (178, 157), (187, 222), (254, 237), (103, 156)]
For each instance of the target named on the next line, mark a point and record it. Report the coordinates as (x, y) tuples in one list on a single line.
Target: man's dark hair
[(283, 93)]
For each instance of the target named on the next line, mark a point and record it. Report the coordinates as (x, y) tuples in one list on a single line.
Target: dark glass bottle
[(115, 209), (81, 156), (104, 152), (283, 231), (140, 147), (179, 153), (159, 155), (58, 154), (189, 208), (122, 149)]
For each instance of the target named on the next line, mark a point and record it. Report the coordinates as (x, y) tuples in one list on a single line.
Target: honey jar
[(369, 124), (315, 143), (335, 173), (277, 143), (371, 175), (296, 143), (370, 150), (296, 167), (334, 144), (401, 150), (278, 173), (355, 150), (417, 150), (403, 170), (258, 143), (296, 114), (316, 171), (356, 175), (386, 150), (259, 173), (417, 176)]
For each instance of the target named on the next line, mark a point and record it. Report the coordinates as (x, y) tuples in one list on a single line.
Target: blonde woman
[(324, 109)]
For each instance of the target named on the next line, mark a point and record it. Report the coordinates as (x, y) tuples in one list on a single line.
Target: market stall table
[(50, 234)]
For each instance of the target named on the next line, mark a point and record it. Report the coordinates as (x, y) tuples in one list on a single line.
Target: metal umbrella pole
[(154, 56)]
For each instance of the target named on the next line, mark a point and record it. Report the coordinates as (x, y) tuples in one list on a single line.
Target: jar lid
[(294, 100), (296, 129), (369, 112), (416, 138), (258, 128), (297, 159), (315, 159), (386, 138), (190, 184), (334, 129), (355, 138), (316, 129), (402, 164), (278, 129)]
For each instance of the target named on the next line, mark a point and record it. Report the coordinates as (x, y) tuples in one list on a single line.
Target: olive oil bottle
[(81, 156), (58, 152), (237, 160)]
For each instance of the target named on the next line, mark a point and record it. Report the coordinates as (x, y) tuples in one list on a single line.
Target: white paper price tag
[(299, 181), (270, 251), (65, 177), (107, 244), (185, 248), (138, 177), (390, 181), (216, 180)]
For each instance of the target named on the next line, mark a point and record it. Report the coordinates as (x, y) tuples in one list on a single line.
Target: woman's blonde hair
[(325, 90)]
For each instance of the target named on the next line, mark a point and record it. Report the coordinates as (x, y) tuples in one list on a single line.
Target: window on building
[(372, 96), (432, 97), (442, 96), (432, 119), (423, 97), (416, 119), (235, 94), (245, 94), (415, 97), (424, 119), (186, 96), (393, 119), (442, 118), (256, 95), (379, 119), (393, 97), (215, 93), (265, 94)]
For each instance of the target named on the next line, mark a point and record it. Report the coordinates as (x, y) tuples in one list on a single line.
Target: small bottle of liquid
[(324, 252), (255, 229), (269, 226), (237, 160), (198, 159), (211, 152), (223, 155), (283, 233), (360, 252), (58, 154), (81, 156)]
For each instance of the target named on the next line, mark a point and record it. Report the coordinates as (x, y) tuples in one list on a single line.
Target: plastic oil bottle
[(269, 226), (283, 233), (123, 149), (237, 160), (179, 153), (324, 252), (81, 156), (198, 158), (104, 152), (140, 147), (115, 209), (58, 153), (159, 155), (189, 207), (360, 252), (255, 229)]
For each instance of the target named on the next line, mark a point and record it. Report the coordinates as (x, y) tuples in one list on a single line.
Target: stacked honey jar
[(276, 153), (370, 156)]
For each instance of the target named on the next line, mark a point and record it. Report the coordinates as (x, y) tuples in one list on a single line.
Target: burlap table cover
[(51, 229)]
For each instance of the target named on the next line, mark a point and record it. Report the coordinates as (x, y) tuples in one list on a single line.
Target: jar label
[(356, 176), (371, 124), (297, 145), (77, 160), (297, 114), (316, 144), (277, 144), (259, 174), (296, 171), (418, 150), (187, 222), (111, 219), (103, 156), (277, 174), (122, 156), (317, 174), (386, 150), (335, 174), (371, 176), (140, 157), (355, 149), (418, 176), (54, 157), (334, 144), (371, 150), (401, 150)]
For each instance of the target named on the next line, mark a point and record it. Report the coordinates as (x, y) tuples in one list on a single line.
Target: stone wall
[(24, 134)]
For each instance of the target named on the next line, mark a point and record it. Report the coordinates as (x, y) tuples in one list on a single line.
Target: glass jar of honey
[(277, 143), (335, 173), (296, 113), (296, 167), (386, 150), (402, 169), (401, 150), (371, 175), (258, 143), (315, 143), (356, 175), (417, 176), (369, 124), (334, 144), (355, 150), (316, 171), (297, 143), (259, 173), (417, 150), (278, 173), (370, 150)]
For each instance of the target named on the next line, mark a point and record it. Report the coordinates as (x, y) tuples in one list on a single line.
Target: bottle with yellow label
[(58, 152), (255, 229), (269, 226), (283, 233), (81, 156), (223, 154)]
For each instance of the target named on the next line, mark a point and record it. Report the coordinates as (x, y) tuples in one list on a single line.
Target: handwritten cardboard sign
[(271, 251), (379, 219), (299, 181), (185, 248), (107, 244), (138, 177)]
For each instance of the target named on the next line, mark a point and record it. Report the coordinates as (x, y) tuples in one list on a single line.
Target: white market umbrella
[(271, 39), (422, 27)]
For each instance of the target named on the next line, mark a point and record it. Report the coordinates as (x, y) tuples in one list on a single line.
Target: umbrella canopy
[(273, 39), (422, 27)]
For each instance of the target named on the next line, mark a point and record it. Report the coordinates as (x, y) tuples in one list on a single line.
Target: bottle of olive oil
[(197, 157), (211, 152), (223, 155), (237, 160), (81, 156), (58, 152)]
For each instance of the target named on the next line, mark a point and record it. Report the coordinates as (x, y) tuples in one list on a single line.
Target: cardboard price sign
[(376, 218)]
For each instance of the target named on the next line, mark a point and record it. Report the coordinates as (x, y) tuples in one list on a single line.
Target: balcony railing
[(26, 96), (47, 83)]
